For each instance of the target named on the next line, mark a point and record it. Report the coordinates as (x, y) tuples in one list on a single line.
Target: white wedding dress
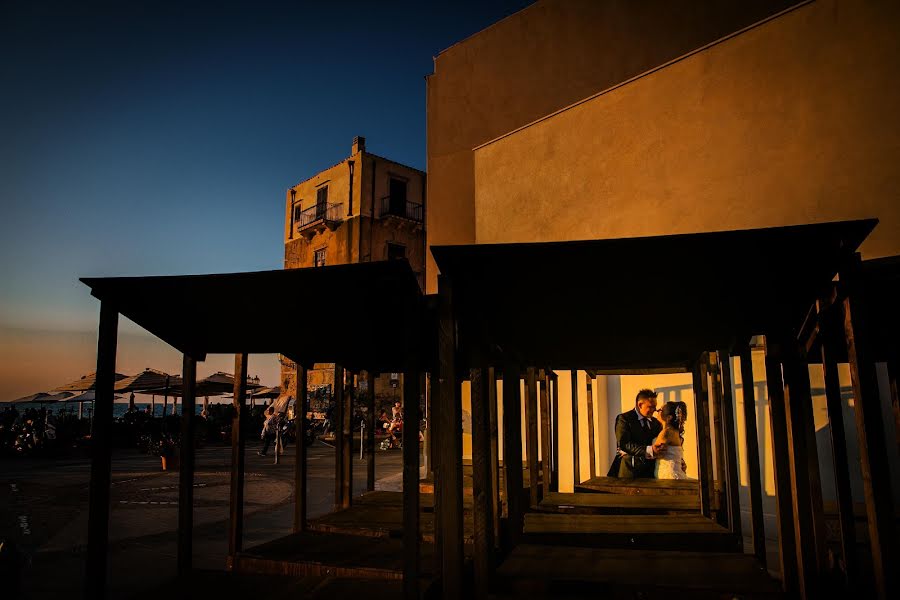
[(668, 463)]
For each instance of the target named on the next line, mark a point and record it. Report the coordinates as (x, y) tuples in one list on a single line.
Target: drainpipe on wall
[(350, 164), (372, 221)]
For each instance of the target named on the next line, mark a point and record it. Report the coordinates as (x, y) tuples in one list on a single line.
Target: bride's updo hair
[(674, 415)]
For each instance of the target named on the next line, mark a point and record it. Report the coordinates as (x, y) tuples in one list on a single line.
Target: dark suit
[(633, 439)]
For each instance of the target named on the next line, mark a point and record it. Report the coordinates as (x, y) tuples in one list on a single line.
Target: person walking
[(270, 428)]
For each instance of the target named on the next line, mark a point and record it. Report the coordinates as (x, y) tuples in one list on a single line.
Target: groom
[(635, 432)]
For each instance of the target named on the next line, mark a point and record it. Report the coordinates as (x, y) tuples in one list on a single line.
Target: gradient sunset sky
[(151, 138)]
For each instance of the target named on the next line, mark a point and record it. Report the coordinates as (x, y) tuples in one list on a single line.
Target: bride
[(669, 462)]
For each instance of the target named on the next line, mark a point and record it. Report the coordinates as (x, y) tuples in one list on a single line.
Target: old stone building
[(365, 208)]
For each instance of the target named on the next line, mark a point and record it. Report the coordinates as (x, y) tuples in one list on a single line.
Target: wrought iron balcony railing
[(396, 207), (320, 214)]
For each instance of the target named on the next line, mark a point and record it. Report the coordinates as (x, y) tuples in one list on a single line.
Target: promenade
[(43, 509)]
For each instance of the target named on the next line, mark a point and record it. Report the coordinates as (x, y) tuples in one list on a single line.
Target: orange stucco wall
[(791, 122), (539, 60)]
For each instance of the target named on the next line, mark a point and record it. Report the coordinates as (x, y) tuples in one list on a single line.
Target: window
[(396, 251), (321, 201), (398, 197), (319, 258), (297, 210)]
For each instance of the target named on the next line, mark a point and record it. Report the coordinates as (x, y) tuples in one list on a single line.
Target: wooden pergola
[(359, 317), (679, 303)]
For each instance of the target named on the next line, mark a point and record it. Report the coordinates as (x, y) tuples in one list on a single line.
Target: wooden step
[(328, 555), (552, 571), (380, 515), (658, 532), (588, 503)]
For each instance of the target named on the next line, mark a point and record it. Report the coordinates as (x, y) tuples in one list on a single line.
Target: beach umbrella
[(84, 383), (86, 396), (147, 379), (41, 398), (152, 380)]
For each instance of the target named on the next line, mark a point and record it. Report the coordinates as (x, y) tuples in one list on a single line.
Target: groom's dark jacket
[(633, 440)]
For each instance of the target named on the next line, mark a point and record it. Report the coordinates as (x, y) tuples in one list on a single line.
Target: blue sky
[(145, 138)]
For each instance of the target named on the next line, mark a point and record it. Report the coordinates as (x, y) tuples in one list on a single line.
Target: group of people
[(392, 426), (25, 432), (650, 440)]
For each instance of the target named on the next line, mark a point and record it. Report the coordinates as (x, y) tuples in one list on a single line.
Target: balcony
[(402, 209), (316, 219)]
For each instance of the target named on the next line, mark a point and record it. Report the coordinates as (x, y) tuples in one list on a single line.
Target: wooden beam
[(729, 438), (531, 435), (347, 451), (715, 401), (411, 417), (873, 452), (238, 443), (751, 445), (545, 435), (512, 453), (576, 446), (186, 467), (338, 395), (370, 432), (450, 483), (496, 506), (300, 466), (101, 455), (482, 491), (592, 449), (554, 434), (704, 450), (809, 526), (840, 461), (787, 546)]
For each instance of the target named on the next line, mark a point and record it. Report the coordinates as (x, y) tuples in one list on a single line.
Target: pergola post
[(715, 401), (873, 452), (545, 434), (531, 435), (841, 463), (704, 451), (482, 485), (347, 441), (300, 466), (101, 455), (787, 545), (186, 473), (893, 366), (410, 483), (338, 396), (809, 526), (554, 434), (370, 431), (592, 449), (576, 439), (238, 444), (751, 444), (449, 483), (729, 442), (496, 506), (512, 452)]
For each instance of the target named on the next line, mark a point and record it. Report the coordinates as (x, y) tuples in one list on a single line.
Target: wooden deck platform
[(587, 503), (573, 572), (363, 541), (636, 487), (660, 532), (382, 519), (329, 555)]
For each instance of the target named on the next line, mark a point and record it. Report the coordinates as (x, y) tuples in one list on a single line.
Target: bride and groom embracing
[(650, 441)]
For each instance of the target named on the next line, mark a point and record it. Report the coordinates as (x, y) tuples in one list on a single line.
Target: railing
[(400, 208), (320, 212)]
